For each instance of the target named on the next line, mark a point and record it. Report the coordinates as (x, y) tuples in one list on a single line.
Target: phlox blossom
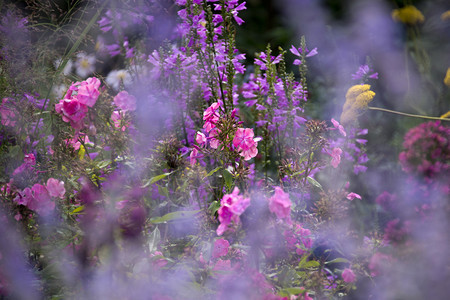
[(211, 116), (125, 101), (200, 138), (352, 196), (245, 144), (80, 95), (336, 157), (231, 207), (348, 275), (221, 247), (280, 204), (55, 188)]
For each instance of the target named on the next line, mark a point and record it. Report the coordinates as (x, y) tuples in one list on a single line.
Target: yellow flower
[(408, 15), (445, 16), (447, 78), (357, 99)]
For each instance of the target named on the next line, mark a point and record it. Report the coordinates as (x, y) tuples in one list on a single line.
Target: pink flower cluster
[(245, 143), (280, 204), (80, 95), (231, 207), (221, 247), (427, 150), (298, 239), (39, 198)]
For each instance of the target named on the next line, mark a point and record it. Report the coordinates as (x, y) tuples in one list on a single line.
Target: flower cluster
[(357, 99), (298, 239), (426, 150), (231, 207), (409, 15), (74, 106), (280, 204)]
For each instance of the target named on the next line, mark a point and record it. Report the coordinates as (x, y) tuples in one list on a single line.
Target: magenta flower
[(348, 275), (231, 207), (200, 138), (125, 101), (194, 155), (363, 73), (352, 196), (39, 200), (280, 204), (298, 51), (88, 91), (245, 144), (221, 247), (336, 157), (56, 188), (338, 127), (211, 116)]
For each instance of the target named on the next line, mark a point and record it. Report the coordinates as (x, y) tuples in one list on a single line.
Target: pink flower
[(39, 200), (339, 127), (193, 156), (221, 247), (352, 196), (125, 101), (231, 207), (211, 116), (213, 142), (245, 144), (88, 91), (280, 204), (200, 138), (336, 157), (72, 111), (378, 262), (348, 275), (56, 188), (80, 95)]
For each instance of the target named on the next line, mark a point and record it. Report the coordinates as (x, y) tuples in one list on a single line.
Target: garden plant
[(145, 153)]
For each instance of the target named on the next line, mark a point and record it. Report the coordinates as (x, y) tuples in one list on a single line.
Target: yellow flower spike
[(408, 15), (355, 90), (363, 100), (358, 97), (445, 16), (447, 78)]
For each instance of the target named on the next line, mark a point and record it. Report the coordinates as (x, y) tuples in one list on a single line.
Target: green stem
[(408, 115)]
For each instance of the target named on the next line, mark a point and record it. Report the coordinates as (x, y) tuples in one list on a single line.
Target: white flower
[(59, 91), (117, 77), (67, 69), (85, 64)]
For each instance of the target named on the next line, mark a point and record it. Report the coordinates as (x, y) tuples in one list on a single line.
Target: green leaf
[(311, 264), (295, 290), (214, 207), (228, 179), (156, 179), (77, 210), (337, 260), (212, 172), (154, 239), (315, 183), (103, 164), (177, 215), (162, 190)]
